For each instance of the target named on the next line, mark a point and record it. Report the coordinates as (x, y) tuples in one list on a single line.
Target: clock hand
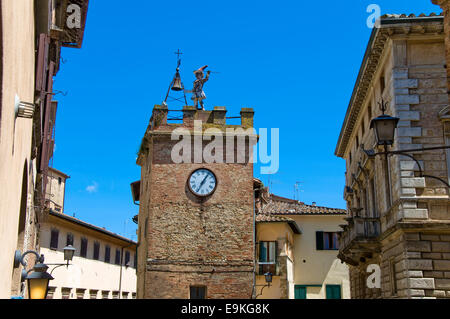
[(203, 182)]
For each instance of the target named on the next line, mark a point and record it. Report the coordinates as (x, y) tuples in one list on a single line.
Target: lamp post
[(384, 127)]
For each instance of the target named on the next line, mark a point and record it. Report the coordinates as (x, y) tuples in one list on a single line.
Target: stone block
[(400, 107), (443, 247), (417, 213), (406, 83), (442, 283), (441, 265), (421, 283), (419, 246), (416, 182), (410, 165), (409, 131), (407, 99), (432, 255), (420, 264), (409, 116), (429, 237)]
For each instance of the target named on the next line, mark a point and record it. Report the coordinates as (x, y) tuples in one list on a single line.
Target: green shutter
[(319, 240), (333, 291), (300, 292)]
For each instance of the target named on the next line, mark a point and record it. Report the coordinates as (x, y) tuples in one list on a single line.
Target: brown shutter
[(47, 112)]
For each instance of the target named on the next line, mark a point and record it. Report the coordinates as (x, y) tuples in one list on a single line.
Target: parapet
[(216, 117)]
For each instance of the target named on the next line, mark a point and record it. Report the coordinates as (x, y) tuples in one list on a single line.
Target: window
[(327, 241), (96, 250), (382, 84), (117, 260), (59, 180), (135, 261), (65, 292), (393, 278), (127, 258), (84, 244), (107, 254), (51, 292), (373, 198), (115, 295), (80, 293), (124, 295), (333, 291), (93, 294), (267, 257), (54, 239), (197, 292), (105, 294), (69, 241)]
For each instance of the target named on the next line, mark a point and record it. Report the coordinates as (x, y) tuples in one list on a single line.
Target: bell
[(177, 86)]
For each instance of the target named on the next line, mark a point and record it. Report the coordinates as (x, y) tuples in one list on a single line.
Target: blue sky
[(294, 62)]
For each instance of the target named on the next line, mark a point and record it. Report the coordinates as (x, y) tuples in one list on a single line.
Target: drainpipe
[(121, 264)]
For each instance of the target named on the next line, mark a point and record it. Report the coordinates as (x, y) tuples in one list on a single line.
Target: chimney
[(314, 204)]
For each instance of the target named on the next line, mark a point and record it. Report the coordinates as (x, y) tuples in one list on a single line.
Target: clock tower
[(196, 215)]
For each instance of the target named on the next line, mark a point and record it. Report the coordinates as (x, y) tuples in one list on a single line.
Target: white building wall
[(87, 273)]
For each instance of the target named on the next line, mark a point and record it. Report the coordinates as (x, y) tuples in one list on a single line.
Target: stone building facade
[(191, 246), (397, 219), (31, 36)]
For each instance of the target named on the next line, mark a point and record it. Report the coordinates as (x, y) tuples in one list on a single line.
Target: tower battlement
[(216, 117)]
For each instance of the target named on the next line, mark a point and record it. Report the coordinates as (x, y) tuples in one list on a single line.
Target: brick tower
[(196, 218)]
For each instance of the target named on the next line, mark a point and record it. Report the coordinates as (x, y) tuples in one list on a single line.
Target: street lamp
[(384, 127), (268, 276), (38, 282), (69, 251)]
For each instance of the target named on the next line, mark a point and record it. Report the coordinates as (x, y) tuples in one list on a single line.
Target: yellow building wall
[(283, 234), (318, 267), (17, 71)]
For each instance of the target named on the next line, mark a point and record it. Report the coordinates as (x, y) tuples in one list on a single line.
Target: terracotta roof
[(92, 227), (267, 218), (283, 206)]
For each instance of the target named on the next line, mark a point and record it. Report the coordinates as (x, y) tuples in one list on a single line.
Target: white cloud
[(92, 188)]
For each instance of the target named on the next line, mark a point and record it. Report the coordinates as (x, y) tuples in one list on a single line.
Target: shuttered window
[(96, 250), (69, 241), (117, 260), (333, 291), (327, 240), (107, 254), (197, 292), (84, 244), (54, 239), (267, 257), (127, 258)]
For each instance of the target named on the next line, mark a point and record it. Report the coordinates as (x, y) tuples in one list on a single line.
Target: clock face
[(202, 182)]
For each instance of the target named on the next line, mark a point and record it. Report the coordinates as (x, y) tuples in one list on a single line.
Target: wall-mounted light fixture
[(384, 127), (23, 109), (268, 276), (38, 278)]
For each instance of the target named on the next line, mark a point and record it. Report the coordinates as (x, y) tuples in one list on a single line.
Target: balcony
[(359, 239)]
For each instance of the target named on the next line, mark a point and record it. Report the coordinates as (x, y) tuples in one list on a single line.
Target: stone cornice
[(391, 25)]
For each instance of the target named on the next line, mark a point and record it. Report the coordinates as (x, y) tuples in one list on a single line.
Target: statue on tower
[(198, 95)]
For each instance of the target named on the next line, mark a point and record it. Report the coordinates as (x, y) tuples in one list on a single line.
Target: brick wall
[(190, 241)]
